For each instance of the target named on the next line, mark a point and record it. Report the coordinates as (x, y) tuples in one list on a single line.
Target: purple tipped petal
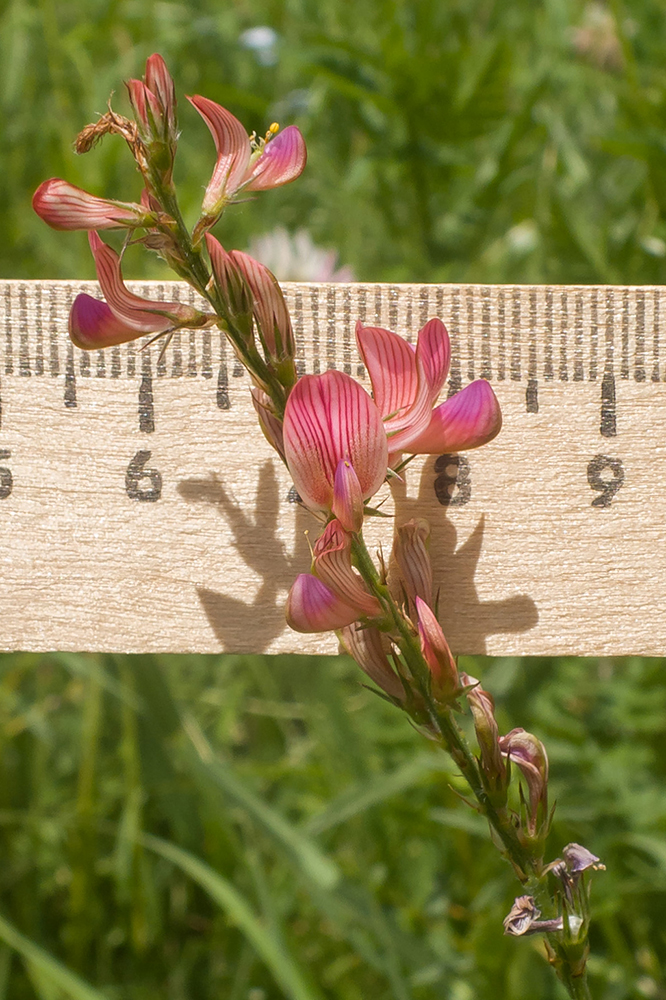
[(331, 417), (233, 152), (142, 315), (347, 497), (282, 161), (467, 420), (313, 607), (92, 325)]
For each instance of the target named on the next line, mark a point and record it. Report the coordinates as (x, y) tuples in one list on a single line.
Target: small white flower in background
[(295, 257), (262, 40)]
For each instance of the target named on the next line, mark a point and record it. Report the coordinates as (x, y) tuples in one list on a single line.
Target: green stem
[(577, 986), (450, 733)]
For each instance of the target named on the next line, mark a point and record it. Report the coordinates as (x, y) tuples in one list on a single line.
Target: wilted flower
[(124, 316), (529, 753), (406, 383), (270, 162), (333, 438), (333, 595), (578, 859), (523, 918), (64, 206)]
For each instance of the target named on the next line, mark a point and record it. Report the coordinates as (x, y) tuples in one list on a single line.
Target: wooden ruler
[(141, 509)]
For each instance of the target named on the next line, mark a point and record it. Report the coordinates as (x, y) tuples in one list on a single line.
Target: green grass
[(207, 827), (248, 828)]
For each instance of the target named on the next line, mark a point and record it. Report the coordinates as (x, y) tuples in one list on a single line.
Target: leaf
[(364, 796), (46, 968), (310, 858), (283, 968)]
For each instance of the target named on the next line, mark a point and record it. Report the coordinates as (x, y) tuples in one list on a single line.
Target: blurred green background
[(253, 828)]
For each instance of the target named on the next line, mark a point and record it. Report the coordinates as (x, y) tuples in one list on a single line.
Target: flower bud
[(154, 104), (445, 685), (235, 294), (410, 553), (487, 734), (271, 316)]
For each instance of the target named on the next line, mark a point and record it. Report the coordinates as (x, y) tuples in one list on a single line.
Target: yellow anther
[(273, 129)]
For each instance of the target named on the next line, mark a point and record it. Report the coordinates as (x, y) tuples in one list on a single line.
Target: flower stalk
[(339, 444)]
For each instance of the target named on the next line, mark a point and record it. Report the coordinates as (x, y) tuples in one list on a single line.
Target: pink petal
[(347, 497), (160, 82), (269, 307), (436, 652), (233, 152), (332, 565), (270, 425), (92, 325), (64, 206), (410, 552), (467, 420), (142, 315), (282, 161), (433, 349), (312, 607), (136, 90), (391, 364), (330, 417)]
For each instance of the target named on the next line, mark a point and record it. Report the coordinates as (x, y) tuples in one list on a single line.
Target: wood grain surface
[(141, 509)]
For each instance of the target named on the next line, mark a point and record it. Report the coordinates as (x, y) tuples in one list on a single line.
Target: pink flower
[(240, 167), (124, 316), (333, 595), (405, 386), (335, 445), (64, 206)]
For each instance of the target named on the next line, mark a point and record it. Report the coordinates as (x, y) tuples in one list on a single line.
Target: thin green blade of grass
[(364, 796), (49, 969), (314, 863), (284, 969)]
